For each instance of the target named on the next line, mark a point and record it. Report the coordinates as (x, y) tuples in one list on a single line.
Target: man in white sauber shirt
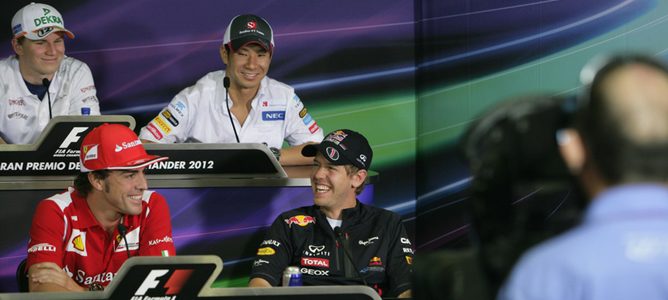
[(38, 42), (263, 109)]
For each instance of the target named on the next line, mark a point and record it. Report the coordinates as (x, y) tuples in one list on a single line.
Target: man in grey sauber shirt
[(38, 67)]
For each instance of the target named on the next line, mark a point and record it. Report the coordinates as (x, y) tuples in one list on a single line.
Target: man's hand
[(406, 294), (49, 277), (258, 282), (292, 156)]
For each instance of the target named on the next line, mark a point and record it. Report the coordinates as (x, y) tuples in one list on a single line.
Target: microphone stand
[(226, 84), (47, 83)]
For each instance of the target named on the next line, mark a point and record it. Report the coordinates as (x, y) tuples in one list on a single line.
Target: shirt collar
[(629, 201), (261, 92), (85, 216)]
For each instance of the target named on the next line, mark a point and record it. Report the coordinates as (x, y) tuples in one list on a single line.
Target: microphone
[(123, 230), (47, 83), (344, 243), (226, 84)]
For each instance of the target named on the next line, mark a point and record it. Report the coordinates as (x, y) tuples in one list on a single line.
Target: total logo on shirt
[(315, 262)]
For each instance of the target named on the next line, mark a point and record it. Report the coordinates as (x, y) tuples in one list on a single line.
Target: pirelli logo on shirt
[(162, 124), (46, 247)]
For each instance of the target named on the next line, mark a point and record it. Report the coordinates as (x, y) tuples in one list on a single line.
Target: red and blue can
[(292, 276)]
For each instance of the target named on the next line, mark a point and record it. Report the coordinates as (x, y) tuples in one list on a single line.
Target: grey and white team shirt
[(23, 116), (199, 114)]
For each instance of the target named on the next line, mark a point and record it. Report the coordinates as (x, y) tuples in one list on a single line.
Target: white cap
[(36, 21)]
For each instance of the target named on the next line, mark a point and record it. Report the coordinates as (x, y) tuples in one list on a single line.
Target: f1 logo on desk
[(171, 286), (73, 137)]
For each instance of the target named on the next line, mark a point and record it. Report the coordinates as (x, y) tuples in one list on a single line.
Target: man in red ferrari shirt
[(80, 238)]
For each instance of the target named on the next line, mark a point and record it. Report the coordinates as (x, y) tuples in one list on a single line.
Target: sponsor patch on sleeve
[(302, 113), (154, 131), (179, 107), (313, 128), (162, 124), (266, 251), (170, 117), (42, 247), (307, 119)]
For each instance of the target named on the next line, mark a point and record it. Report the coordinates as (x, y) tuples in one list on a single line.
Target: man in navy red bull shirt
[(338, 240)]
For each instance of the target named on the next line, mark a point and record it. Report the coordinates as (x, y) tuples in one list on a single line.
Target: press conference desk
[(190, 277), (223, 210)]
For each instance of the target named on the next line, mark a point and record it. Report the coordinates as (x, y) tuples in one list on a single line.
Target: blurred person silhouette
[(617, 150), (521, 194)]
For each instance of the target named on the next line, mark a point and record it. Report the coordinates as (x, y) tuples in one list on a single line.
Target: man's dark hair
[(83, 186), (619, 149)]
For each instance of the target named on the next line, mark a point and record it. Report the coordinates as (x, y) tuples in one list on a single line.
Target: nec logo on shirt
[(273, 115)]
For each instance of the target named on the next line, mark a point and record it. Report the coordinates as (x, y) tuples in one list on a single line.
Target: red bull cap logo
[(300, 220)]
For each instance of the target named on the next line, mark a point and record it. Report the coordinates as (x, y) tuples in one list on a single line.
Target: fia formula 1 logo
[(171, 286)]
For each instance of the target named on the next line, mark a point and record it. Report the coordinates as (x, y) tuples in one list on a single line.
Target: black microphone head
[(337, 231), (121, 228), (46, 82), (226, 82)]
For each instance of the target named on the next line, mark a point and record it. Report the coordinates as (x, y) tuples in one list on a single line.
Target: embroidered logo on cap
[(332, 153), (90, 152), (44, 31)]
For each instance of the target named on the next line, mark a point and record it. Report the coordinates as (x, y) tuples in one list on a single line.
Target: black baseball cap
[(343, 147), (247, 29)]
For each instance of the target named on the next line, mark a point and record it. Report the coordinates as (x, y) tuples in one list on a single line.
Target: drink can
[(85, 111), (292, 276)]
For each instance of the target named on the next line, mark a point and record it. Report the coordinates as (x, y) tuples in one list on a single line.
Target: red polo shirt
[(65, 232)]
